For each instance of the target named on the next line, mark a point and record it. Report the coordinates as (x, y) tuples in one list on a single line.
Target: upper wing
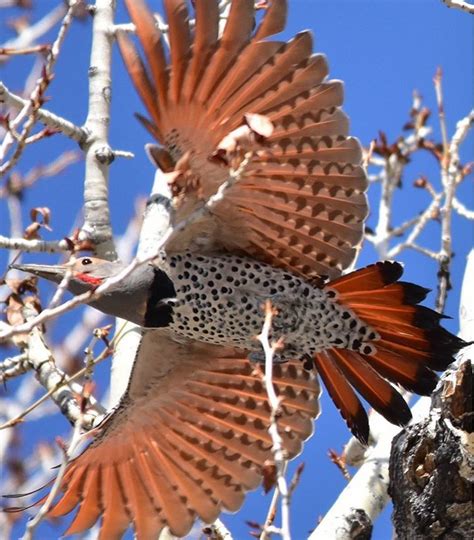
[(301, 202), (188, 440)]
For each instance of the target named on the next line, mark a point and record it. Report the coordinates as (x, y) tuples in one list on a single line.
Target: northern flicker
[(190, 435)]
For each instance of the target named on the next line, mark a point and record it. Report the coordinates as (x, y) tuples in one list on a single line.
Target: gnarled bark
[(431, 465)]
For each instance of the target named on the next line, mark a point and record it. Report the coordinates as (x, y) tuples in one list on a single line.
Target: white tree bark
[(98, 154)]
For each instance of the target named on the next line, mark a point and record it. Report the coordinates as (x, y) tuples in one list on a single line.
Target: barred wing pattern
[(301, 203)]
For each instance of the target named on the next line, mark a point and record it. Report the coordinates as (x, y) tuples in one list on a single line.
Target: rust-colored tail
[(412, 345)]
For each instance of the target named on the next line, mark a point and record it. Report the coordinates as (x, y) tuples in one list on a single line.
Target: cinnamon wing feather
[(301, 202), (188, 440)]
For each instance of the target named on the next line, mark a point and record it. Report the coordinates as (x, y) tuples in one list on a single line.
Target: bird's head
[(142, 297), (85, 273)]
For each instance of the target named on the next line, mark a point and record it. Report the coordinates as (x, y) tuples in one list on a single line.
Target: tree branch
[(98, 154), (53, 121), (277, 442), (459, 4), (27, 115)]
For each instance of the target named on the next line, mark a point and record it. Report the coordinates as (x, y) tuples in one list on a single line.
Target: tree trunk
[(431, 465)]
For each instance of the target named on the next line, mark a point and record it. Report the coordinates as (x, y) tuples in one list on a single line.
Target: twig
[(123, 154), (44, 116), (437, 79), (217, 531), (459, 4), (13, 367), (274, 402), (390, 180), (449, 174), (131, 28), (18, 182), (462, 210), (13, 51), (271, 514), (39, 246), (425, 251), (424, 219), (49, 375), (28, 113), (70, 390), (31, 33)]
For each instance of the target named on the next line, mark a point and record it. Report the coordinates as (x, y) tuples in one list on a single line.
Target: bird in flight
[(190, 435)]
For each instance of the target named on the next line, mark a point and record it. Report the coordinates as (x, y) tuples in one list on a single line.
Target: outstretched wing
[(188, 440), (301, 202)]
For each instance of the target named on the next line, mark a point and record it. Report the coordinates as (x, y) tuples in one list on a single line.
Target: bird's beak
[(51, 272)]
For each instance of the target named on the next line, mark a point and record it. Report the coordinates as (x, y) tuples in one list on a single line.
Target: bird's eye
[(86, 261)]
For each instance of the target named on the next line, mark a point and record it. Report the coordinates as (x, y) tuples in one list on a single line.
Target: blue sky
[(383, 50)]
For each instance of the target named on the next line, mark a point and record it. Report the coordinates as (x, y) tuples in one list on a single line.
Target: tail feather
[(374, 276), (377, 391), (409, 344), (413, 376), (412, 294), (343, 395)]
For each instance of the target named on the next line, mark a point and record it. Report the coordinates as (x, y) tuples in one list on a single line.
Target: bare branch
[(13, 367), (98, 154), (33, 32), (217, 531), (33, 49), (44, 116), (459, 4), (51, 377), (441, 113), (466, 308), (28, 113), (274, 402), (39, 246), (462, 210), (449, 175)]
